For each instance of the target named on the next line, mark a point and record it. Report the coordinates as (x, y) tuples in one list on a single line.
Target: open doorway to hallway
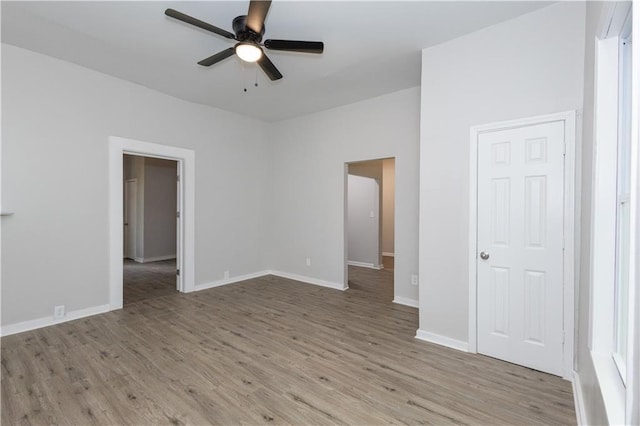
[(369, 230), (150, 231)]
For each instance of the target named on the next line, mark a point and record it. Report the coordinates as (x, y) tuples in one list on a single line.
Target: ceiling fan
[(249, 30)]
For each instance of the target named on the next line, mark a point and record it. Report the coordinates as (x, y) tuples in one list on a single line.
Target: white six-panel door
[(520, 245)]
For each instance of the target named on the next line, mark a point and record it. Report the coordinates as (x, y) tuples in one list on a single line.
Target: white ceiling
[(371, 47)]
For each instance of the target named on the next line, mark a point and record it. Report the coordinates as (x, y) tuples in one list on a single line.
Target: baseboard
[(364, 265), (405, 301), (158, 258), (578, 399), (138, 259), (20, 327), (384, 253), (231, 280), (309, 280), (442, 340)]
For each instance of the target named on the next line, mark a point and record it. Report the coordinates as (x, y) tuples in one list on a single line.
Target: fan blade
[(257, 13), (269, 69), (198, 23), (295, 46), (217, 57)]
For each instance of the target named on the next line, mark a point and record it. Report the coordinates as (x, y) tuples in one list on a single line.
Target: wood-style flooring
[(143, 281), (267, 350), (388, 262)]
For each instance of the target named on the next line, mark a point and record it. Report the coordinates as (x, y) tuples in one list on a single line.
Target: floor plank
[(144, 281), (267, 350)]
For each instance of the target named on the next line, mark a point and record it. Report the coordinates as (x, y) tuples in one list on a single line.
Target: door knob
[(484, 255)]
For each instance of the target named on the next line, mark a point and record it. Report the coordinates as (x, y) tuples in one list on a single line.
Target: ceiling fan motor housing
[(244, 33)]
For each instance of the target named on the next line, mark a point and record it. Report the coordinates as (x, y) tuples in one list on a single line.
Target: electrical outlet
[(58, 312), (414, 280), (308, 261), (226, 275)]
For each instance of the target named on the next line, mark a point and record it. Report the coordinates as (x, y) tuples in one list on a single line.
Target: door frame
[(569, 219), (186, 240)]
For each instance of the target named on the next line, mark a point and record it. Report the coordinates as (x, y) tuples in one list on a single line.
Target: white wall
[(160, 206), (55, 247), (528, 66), (309, 156), (363, 220), (388, 204)]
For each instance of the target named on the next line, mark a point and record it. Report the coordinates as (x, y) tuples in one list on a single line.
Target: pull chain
[(244, 77)]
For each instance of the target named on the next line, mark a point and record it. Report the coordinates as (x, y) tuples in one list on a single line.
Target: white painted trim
[(231, 280), (406, 301), (50, 320), (569, 118), (569, 228), (157, 258), (345, 225), (442, 340), (473, 240), (578, 400), (365, 265), (386, 253), (309, 280), (633, 357), (361, 264), (138, 260), (611, 387), (186, 163)]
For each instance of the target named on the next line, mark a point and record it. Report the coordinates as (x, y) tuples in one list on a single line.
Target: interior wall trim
[(442, 340), (231, 280), (406, 301), (29, 325), (578, 400), (309, 280)]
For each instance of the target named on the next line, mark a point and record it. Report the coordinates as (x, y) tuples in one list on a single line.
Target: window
[(623, 205), (612, 224)]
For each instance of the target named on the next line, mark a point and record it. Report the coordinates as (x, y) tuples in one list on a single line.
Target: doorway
[(521, 285), (184, 222), (369, 226), (150, 228)]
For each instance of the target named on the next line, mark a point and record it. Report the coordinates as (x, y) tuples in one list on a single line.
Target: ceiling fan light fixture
[(248, 52)]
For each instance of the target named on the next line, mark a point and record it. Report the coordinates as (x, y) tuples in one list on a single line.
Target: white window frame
[(633, 360), (617, 395), (624, 156)]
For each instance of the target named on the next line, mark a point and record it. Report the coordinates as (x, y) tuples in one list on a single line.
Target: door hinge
[(178, 215), (178, 272), (178, 178), (563, 337)]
